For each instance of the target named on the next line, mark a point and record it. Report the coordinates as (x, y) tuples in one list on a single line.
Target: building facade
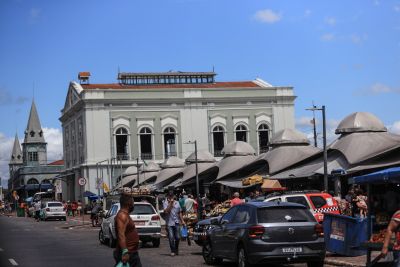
[(29, 170), (152, 116)]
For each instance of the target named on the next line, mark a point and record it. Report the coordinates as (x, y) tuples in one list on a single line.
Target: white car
[(53, 210), (145, 217)]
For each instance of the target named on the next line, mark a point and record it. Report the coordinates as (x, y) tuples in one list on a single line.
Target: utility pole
[(314, 127), (324, 144), (137, 171), (197, 178)]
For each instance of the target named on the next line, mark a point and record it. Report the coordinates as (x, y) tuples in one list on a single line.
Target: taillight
[(256, 231), (319, 230), (155, 218), (47, 209)]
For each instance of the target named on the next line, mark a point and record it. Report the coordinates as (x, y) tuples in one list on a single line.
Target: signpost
[(82, 182)]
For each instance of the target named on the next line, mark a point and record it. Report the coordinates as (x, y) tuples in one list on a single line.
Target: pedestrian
[(127, 234), (74, 207), (69, 208), (174, 219), (37, 210), (206, 204), (393, 228), (189, 204), (79, 209), (361, 202), (236, 200)]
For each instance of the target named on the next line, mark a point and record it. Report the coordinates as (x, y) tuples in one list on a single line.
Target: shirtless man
[(127, 235)]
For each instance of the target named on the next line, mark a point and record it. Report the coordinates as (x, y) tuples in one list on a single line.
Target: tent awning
[(391, 175), (234, 183)]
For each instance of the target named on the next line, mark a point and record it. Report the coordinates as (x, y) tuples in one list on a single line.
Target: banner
[(105, 188)]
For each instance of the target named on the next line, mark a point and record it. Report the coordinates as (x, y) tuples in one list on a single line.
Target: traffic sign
[(82, 181)]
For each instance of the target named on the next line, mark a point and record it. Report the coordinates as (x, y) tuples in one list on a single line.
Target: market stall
[(382, 188)]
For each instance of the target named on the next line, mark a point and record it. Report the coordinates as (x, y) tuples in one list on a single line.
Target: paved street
[(57, 243)]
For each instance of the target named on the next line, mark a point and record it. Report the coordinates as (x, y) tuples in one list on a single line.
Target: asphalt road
[(25, 242)]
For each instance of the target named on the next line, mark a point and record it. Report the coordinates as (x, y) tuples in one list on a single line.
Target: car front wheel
[(208, 255), (101, 237), (242, 258)]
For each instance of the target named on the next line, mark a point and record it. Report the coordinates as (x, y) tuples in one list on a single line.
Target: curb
[(342, 263)]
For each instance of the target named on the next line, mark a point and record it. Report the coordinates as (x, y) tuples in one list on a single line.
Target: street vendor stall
[(383, 181)]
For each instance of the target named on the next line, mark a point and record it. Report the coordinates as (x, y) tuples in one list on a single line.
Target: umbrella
[(88, 194)]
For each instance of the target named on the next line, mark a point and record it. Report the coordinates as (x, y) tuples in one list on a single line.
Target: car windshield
[(284, 214), (142, 209), (54, 204)]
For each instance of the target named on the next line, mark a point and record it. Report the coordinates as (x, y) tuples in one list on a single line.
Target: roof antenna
[(213, 69)]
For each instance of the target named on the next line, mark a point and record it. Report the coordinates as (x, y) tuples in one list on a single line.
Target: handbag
[(121, 264), (184, 232)]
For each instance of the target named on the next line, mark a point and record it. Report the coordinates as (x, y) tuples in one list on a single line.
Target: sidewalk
[(338, 260)]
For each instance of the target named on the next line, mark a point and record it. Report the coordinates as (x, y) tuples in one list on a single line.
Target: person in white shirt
[(189, 204)]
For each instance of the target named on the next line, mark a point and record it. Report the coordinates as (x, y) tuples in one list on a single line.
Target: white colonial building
[(151, 116)]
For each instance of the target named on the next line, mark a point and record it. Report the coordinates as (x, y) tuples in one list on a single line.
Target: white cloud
[(395, 127), (330, 21), (327, 37), (6, 144), (379, 88), (53, 138), (267, 16)]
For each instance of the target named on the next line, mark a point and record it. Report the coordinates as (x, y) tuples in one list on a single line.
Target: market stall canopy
[(148, 174), (288, 147), (238, 148), (363, 140), (88, 194), (171, 170), (129, 177), (391, 175), (205, 161)]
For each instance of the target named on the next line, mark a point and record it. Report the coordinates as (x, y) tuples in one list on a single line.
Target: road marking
[(13, 262)]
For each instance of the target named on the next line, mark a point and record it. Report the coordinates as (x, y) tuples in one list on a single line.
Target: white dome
[(360, 122), (151, 167), (238, 148), (202, 156), (173, 162), (289, 136), (130, 170)]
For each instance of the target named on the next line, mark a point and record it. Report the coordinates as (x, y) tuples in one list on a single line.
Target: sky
[(341, 54)]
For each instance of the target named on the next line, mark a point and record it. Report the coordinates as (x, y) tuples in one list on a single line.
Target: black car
[(265, 232), (200, 230)]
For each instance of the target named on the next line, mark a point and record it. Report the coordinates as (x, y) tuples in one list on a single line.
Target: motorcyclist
[(94, 214)]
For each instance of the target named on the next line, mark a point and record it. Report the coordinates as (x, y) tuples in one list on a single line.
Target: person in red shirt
[(236, 200), (74, 207), (393, 227)]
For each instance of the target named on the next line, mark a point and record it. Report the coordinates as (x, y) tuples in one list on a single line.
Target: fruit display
[(220, 209), (378, 237)]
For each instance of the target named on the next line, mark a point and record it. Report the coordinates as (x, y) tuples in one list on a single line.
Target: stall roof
[(391, 175)]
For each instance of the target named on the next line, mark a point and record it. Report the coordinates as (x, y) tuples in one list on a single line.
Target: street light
[(197, 177), (324, 141)]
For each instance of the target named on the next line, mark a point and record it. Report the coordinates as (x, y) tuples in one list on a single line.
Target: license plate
[(139, 222), (292, 250)]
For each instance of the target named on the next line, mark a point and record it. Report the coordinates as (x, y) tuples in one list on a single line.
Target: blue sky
[(341, 54)]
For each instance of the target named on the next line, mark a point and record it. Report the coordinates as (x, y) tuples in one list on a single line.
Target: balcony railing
[(122, 157), (146, 156)]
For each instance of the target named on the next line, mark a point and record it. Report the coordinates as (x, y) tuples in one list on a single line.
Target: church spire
[(16, 154), (33, 132)]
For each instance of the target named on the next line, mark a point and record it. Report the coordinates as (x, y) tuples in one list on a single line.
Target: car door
[(235, 230), (219, 240), (109, 220)]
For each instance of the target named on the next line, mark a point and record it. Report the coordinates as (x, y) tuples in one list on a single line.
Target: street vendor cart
[(377, 220)]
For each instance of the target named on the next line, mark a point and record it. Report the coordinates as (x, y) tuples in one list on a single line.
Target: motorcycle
[(97, 218)]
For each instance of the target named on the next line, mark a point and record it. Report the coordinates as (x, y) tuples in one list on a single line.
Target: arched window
[(169, 142), (263, 138), (32, 181), (218, 135), (241, 133), (121, 141), (146, 147), (46, 181)]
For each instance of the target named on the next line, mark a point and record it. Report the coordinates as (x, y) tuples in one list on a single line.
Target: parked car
[(53, 210), (318, 202), (265, 232), (200, 230), (145, 217)]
